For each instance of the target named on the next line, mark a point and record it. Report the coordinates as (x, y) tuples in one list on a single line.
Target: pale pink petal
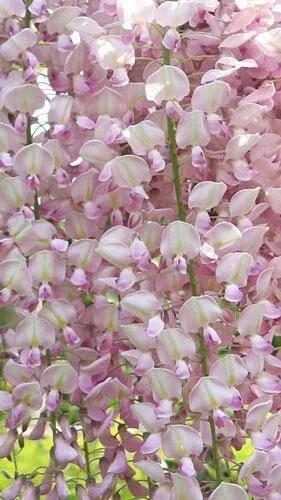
[(210, 335), (126, 279), (142, 304), (187, 467), (14, 194), (151, 444), (264, 282), (144, 136), (257, 414), (119, 463), (81, 254), (145, 414), (222, 236), (60, 376), (119, 78), (211, 97), (192, 130), (34, 331), (60, 110), (173, 14), (87, 28), (243, 202), (60, 17), (250, 319), (229, 491), (166, 84), (181, 441), (206, 195), (172, 39), (230, 369), (180, 238), (46, 266), (274, 198), (112, 53), (61, 485), (259, 461), (175, 344), (59, 245), (209, 393), (96, 152), (269, 42), (33, 160), (134, 14), (203, 222), (164, 384), (29, 393), (186, 487), (85, 122), (233, 294), (198, 158), (136, 333), (17, 44), (164, 409), (6, 401), (155, 326), (151, 469), (248, 115), (234, 268), (16, 276), (129, 171), (79, 277), (239, 145), (98, 490), (14, 8), (114, 246), (197, 312), (25, 98), (70, 336), (156, 160), (64, 452)]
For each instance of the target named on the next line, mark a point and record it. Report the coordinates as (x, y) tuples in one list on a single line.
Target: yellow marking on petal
[(231, 380)]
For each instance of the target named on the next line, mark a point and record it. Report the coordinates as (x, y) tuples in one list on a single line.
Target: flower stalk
[(190, 269)]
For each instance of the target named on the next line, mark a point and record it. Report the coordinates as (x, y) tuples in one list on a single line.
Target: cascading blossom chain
[(140, 204)]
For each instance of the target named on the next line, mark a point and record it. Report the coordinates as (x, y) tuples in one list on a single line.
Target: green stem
[(36, 206), (28, 131), (16, 473), (215, 450), (53, 422), (87, 456), (27, 18), (149, 481), (203, 355), (191, 273), (192, 279), (173, 155), (53, 427)]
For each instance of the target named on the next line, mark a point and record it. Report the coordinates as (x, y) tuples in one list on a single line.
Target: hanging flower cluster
[(140, 203)]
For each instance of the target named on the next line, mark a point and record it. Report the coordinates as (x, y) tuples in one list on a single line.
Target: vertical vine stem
[(53, 422), (215, 450), (192, 278), (173, 156), (27, 17), (87, 456), (16, 473)]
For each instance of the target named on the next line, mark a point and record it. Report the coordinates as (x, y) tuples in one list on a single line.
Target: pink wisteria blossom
[(140, 273)]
